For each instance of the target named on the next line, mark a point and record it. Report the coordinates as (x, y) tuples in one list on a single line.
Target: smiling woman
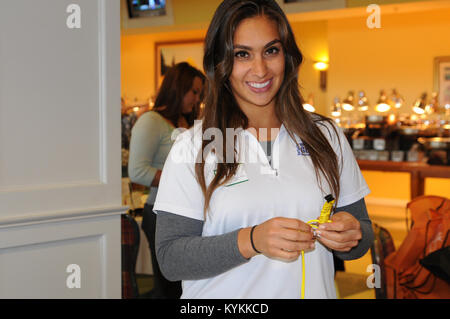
[(236, 229), (258, 69)]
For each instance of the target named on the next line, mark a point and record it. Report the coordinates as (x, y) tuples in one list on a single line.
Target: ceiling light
[(336, 107), (348, 102), (396, 99), (321, 66), (420, 104), (363, 103), (383, 103), (309, 106)]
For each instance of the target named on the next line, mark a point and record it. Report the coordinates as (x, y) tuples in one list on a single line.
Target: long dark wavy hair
[(222, 111), (178, 80)]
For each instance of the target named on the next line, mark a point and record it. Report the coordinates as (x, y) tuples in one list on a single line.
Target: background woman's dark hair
[(178, 80), (222, 111)]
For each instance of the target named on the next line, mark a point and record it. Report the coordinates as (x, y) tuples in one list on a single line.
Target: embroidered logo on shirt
[(301, 150)]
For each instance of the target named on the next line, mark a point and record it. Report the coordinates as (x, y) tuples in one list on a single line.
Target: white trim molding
[(59, 216)]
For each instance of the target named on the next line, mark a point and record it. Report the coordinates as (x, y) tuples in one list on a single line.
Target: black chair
[(130, 248), (382, 247)]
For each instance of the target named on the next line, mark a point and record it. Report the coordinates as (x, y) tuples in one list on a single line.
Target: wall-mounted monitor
[(146, 8)]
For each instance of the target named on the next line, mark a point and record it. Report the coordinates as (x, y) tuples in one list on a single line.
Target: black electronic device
[(146, 8)]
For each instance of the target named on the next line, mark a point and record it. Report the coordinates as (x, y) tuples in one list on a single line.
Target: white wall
[(60, 187)]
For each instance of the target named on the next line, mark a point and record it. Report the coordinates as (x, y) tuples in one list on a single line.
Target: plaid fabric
[(382, 247), (130, 247)]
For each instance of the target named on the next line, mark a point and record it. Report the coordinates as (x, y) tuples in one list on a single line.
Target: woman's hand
[(342, 234), (282, 238)]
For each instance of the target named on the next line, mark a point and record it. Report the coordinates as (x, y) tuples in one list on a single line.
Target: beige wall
[(312, 40), (399, 55)]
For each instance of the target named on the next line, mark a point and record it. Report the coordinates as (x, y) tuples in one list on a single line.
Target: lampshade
[(309, 106), (348, 102), (383, 103), (363, 102), (433, 106), (336, 107), (397, 99), (420, 104), (321, 66)]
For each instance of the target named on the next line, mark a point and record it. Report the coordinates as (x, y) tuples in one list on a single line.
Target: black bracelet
[(251, 240)]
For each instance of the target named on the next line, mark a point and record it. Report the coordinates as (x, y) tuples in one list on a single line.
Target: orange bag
[(405, 276)]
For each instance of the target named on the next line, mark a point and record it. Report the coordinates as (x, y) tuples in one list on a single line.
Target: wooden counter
[(418, 172)]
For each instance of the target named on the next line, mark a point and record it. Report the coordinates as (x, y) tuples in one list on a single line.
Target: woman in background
[(151, 140)]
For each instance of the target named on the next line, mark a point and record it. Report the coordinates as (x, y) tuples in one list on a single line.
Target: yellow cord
[(313, 224), (324, 218), (303, 274)]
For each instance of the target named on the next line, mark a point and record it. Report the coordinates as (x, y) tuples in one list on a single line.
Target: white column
[(60, 170)]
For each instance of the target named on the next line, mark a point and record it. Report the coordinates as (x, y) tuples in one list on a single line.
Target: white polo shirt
[(257, 193)]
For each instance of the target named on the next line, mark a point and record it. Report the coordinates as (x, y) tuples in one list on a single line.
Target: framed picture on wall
[(170, 53), (442, 80)]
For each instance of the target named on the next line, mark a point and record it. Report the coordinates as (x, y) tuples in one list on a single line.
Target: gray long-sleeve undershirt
[(183, 254)]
